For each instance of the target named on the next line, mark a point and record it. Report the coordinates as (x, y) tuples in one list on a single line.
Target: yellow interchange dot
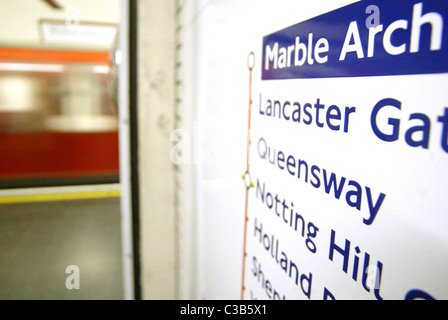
[(248, 180)]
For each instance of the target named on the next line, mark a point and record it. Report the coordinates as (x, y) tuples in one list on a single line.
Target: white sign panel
[(347, 156)]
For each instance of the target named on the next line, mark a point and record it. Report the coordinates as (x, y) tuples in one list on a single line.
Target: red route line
[(249, 142), (246, 219)]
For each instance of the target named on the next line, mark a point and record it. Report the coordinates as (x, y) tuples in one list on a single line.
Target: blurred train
[(58, 118)]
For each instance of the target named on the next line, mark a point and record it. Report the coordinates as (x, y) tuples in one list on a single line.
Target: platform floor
[(39, 240)]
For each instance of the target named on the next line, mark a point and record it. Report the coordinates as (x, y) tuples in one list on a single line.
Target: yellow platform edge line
[(60, 197)]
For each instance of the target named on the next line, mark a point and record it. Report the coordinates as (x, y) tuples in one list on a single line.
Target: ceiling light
[(94, 34)]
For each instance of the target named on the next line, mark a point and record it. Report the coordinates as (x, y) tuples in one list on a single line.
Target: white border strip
[(125, 159)]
